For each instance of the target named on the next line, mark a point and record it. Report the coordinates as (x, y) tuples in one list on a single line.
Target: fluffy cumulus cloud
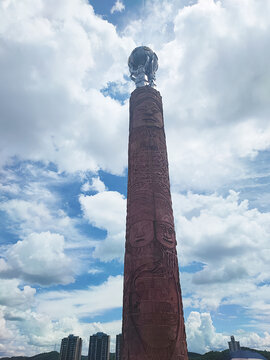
[(59, 313), (213, 229), (203, 337), (14, 296), (31, 332), (37, 225), (5, 334), (39, 259), (39, 206), (253, 340), (106, 210), (27, 216), (54, 61), (230, 241), (32, 325), (222, 90), (201, 334), (15, 301), (118, 7)]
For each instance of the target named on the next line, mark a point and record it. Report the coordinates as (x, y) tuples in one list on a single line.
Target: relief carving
[(146, 109), (147, 113), (153, 324), (141, 233), (154, 309), (165, 234)]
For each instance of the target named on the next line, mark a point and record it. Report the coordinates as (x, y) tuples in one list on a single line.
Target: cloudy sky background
[(64, 129)]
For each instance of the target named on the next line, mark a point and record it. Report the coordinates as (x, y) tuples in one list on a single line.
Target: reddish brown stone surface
[(153, 322)]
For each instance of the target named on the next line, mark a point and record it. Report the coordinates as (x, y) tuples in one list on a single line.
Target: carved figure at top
[(143, 64)]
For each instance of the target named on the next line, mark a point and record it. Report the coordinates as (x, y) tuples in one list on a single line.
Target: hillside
[(211, 355), (53, 355), (223, 355)]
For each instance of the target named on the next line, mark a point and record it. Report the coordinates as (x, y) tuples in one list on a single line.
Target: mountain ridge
[(211, 355)]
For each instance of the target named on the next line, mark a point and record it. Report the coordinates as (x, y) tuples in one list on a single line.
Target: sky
[(64, 94)]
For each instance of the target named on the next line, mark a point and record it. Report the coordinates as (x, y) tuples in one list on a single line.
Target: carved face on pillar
[(141, 233), (154, 308), (165, 234), (147, 114)]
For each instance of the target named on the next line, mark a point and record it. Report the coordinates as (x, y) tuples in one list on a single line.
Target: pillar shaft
[(153, 322)]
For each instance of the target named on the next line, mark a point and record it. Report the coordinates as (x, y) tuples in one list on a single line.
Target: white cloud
[(28, 326), (90, 302), (224, 231), (255, 341), (231, 241), (96, 185), (107, 210), (32, 333), (95, 271), (33, 216), (117, 7), (228, 124), (203, 337), (201, 334), (15, 301), (32, 323), (54, 64), (40, 259), (6, 334), (9, 188), (13, 296), (85, 187), (39, 210)]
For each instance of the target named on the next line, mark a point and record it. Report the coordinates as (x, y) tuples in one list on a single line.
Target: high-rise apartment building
[(71, 348), (99, 347), (118, 347), (234, 345)]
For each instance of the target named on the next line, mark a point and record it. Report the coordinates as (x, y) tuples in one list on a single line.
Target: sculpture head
[(165, 234), (143, 63), (141, 233)]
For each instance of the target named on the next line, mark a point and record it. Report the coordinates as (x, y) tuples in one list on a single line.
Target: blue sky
[(63, 165)]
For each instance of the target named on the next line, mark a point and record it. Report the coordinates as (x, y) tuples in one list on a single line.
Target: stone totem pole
[(153, 322)]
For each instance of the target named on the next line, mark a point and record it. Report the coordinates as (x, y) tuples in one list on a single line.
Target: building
[(71, 348), (153, 321), (99, 347), (246, 355), (234, 345), (118, 347), (237, 354)]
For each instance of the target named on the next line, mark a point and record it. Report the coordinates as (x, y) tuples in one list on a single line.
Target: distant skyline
[(64, 131)]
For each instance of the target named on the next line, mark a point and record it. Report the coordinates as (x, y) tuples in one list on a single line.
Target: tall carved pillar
[(153, 322)]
